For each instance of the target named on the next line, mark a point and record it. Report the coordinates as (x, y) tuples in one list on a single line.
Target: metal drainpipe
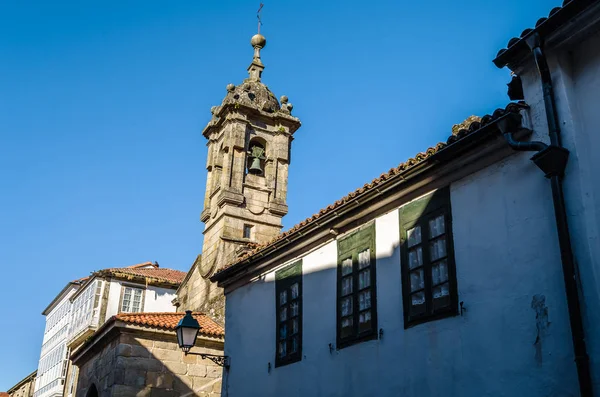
[(552, 160)]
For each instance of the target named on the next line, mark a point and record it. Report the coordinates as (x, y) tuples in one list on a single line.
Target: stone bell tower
[(249, 141)]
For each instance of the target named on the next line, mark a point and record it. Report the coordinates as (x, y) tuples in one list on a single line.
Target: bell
[(255, 167)]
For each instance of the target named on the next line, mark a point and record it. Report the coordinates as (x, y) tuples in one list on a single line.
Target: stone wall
[(24, 388), (149, 364)]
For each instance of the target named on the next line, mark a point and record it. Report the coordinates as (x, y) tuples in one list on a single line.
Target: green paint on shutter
[(292, 270)]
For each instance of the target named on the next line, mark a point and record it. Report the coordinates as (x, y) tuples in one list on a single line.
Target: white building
[(452, 274), (53, 362), (84, 305)]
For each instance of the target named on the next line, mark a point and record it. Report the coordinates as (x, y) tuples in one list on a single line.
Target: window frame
[(350, 246), (142, 299), (419, 213), (284, 279), (250, 228)]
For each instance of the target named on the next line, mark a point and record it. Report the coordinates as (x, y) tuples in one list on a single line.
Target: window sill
[(291, 360), (362, 338), (429, 318)]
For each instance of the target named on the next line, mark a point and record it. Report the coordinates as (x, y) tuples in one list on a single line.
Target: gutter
[(552, 160), (460, 145)]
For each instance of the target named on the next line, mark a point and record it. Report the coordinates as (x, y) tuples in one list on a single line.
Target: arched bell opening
[(257, 150)]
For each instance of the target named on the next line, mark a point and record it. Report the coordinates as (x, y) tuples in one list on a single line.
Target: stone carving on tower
[(249, 141)]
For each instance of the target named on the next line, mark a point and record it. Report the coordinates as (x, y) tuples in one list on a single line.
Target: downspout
[(553, 160)]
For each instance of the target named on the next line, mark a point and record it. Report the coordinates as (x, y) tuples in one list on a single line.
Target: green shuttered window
[(356, 287), (288, 308), (428, 270)]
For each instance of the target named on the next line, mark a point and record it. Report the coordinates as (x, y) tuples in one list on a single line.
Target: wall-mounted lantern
[(187, 331)]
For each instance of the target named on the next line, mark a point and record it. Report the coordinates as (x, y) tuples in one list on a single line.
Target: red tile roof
[(156, 274), (169, 321), (4, 394), (471, 125), (145, 264), (545, 26)]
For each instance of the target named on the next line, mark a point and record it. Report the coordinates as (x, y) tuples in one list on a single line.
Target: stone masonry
[(241, 208), (140, 363)]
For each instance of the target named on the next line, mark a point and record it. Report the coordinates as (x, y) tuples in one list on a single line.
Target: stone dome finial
[(256, 68), (258, 40)]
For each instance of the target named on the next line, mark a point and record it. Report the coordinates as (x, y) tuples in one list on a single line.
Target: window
[(356, 292), (131, 301), (288, 301), (428, 270), (247, 231)]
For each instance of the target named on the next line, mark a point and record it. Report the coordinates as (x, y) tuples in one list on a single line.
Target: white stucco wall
[(576, 80), (155, 299), (159, 299), (506, 253)]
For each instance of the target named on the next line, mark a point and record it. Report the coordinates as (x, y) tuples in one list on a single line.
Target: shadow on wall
[(142, 364), (501, 332)]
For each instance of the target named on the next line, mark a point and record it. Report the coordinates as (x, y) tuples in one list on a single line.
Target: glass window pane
[(283, 313), (294, 345), (415, 257), (347, 306), (364, 300), (346, 286), (436, 226), (414, 236), (364, 317), (295, 324), (294, 290), (364, 321), (417, 280), (364, 279), (364, 258), (282, 331), (441, 291), (294, 306), (417, 299), (438, 249), (439, 272), (283, 297), (282, 349), (346, 266), (347, 326)]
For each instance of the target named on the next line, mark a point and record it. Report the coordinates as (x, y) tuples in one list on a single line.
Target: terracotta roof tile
[(145, 264), (545, 25), (170, 320), (420, 157), (157, 274)]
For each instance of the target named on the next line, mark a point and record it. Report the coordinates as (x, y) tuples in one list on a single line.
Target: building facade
[(249, 142), (145, 287), (24, 388), (85, 304), (448, 275), (136, 354), (53, 364)]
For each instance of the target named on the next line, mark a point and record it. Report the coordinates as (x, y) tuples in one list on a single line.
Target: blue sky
[(102, 107)]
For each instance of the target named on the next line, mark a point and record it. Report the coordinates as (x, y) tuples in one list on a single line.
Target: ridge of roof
[(557, 17), (166, 275), (144, 264), (169, 321), (469, 126)]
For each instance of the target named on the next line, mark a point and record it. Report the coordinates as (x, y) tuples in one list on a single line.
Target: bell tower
[(249, 141)]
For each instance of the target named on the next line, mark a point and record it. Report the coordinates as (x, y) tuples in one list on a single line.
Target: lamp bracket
[(221, 361)]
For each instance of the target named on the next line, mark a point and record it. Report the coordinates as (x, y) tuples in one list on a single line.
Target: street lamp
[(187, 331)]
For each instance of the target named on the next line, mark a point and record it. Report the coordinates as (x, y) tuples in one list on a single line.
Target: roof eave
[(228, 275), (545, 27)]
